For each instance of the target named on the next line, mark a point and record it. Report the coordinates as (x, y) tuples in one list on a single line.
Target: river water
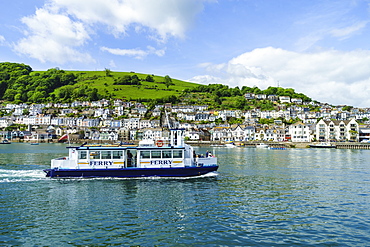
[(300, 197)]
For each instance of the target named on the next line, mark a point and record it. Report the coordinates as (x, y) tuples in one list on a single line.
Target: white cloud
[(163, 17), (2, 40), (61, 28), (53, 37), (137, 53), (348, 31), (51, 51), (329, 76)]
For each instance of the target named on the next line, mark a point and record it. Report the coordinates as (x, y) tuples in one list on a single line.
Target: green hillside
[(19, 83), (105, 84)]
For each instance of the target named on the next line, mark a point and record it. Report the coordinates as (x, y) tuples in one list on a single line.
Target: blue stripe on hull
[(132, 172)]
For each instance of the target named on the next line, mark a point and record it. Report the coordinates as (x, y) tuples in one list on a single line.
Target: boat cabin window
[(82, 154), (156, 154), (177, 153), (94, 154), (117, 154), (167, 154), (106, 155), (145, 154)]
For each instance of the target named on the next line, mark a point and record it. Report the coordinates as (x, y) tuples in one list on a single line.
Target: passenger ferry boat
[(162, 158)]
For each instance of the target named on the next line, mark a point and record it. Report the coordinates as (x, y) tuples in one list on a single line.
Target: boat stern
[(49, 172), (208, 161)]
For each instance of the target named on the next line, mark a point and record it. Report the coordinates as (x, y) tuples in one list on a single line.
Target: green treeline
[(19, 84), (220, 90)]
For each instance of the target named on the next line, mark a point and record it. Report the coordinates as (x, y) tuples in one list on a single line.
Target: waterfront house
[(260, 134), (364, 133), (299, 132), (334, 130), (221, 134), (238, 133), (249, 133)]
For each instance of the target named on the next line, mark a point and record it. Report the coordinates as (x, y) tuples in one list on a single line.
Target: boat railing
[(62, 162), (206, 161)]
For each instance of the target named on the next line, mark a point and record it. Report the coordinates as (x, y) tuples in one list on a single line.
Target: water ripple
[(258, 198)]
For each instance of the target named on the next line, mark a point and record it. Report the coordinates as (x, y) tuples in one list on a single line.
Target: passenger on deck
[(129, 159)]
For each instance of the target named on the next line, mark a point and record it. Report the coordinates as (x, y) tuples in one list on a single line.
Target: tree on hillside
[(347, 108), (108, 72), (168, 81), (240, 103), (135, 80), (149, 78), (93, 95)]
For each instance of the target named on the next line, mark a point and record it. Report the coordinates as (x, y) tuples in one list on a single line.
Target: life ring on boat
[(159, 143)]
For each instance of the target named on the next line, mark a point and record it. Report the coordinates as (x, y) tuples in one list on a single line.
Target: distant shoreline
[(247, 144)]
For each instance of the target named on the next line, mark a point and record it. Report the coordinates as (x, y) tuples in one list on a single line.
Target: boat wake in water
[(208, 175), (12, 176), (8, 176)]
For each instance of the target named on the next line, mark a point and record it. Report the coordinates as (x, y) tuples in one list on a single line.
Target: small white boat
[(323, 145), (230, 145), (277, 148), (262, 145)]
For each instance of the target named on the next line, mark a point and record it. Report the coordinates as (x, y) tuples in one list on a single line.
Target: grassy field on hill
[(147, 90)]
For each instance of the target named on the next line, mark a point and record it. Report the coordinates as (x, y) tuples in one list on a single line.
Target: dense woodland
[(20, 84)]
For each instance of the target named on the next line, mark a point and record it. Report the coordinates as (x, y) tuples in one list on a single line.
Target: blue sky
[(320, 48)]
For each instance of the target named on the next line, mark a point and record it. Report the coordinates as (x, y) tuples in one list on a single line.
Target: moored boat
[(162, 158), (5, 142), (262, 145), (277, 148), (323, 145), (230, 145)]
